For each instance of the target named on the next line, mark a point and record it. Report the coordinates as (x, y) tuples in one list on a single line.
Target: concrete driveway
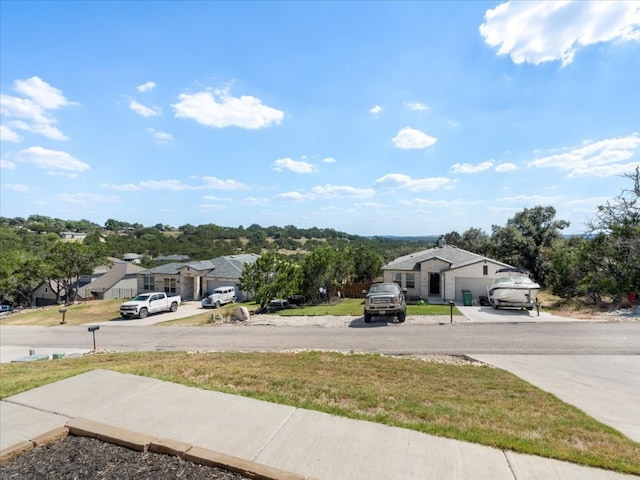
[(478, 314), (187, 309)]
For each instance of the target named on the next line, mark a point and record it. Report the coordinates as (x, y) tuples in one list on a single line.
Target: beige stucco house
[(441, 274), (196, 279)]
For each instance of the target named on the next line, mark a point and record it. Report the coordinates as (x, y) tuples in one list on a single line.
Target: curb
[(21, 448), (83, 427)]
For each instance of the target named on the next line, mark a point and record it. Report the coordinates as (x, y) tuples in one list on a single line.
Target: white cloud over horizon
[(399, 180), (54, 161), (32, 112), (146, 87), (293, 166), (551, 30), (603, 158), (218, 109), (143, 110), (410, 138)]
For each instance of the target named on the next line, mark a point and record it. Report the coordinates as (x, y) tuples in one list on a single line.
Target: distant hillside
[(398, 238)]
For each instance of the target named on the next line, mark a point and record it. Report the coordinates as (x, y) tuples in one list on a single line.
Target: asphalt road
[(571, 338)]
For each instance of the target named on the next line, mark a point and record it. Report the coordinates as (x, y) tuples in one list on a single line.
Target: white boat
[(512, 287)]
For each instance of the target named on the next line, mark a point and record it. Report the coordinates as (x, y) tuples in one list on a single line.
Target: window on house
[(397, 278), (485, 270), (149, 283), (170, 285), (411, 280)]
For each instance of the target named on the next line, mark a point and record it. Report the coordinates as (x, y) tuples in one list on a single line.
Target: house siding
[(455, 268)]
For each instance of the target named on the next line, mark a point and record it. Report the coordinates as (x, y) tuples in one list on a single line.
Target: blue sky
[(374, 118)]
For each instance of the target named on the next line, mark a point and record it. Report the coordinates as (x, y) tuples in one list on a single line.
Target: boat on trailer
[(512, 287)]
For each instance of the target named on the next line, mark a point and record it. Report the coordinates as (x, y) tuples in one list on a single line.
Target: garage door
[(477, 286)]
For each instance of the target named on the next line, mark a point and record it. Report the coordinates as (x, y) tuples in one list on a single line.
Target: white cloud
[(146, 87), (469, 168), (329, 160), (425, 202), (214, 206), (54, 161), (506, 167), (160, 136), (8, 135), (328, 191), (293, 166), (33, 112), (255, 202), (170, 184), (143, 110), (603, 158), (218, 184), (86, 198), (126, 187), (416, 106), (531, 199), (331, 191), (543, 31), (375, 110), (219, 110), (213, 198), (416, 185), (42, 94), (410, 138), (298, 196), (7, 165), (16, 187)]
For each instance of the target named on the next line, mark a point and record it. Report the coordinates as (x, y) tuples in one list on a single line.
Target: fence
[(354, 290)]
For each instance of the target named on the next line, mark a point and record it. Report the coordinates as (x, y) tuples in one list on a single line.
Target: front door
[(434, 284)]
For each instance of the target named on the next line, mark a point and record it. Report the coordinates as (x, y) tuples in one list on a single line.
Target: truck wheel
[(233, 299), (402, 316), (174, 306), (217, 303), (367, 317), (494, 304), (143, 313)]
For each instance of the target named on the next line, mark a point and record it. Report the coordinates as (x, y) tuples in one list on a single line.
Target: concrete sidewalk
[(275, 438)]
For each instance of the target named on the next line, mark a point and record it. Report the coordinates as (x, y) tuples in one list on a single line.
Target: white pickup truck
[(146, 303)]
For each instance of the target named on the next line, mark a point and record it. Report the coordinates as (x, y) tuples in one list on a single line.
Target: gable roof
[(229, 266), (454, 256), (113, 276)]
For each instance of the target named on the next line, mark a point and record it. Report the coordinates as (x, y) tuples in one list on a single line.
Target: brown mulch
[(80, 458)]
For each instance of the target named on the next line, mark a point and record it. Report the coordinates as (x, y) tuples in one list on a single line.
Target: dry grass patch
[(471, 403)]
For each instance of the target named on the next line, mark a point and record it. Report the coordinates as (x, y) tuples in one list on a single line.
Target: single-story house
[(73, 236), (121, 281), (173, 258), (441, 273), (194, 280)]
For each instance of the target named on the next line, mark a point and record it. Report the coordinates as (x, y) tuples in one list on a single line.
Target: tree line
[(605, 262)]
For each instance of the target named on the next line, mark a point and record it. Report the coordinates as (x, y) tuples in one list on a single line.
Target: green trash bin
[(467, 298)]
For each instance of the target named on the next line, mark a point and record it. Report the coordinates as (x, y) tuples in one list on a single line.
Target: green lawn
[(472, 403)]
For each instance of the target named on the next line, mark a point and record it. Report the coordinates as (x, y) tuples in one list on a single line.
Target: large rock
[(241, 314)]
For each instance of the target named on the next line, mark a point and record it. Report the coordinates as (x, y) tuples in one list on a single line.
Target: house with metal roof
[(441, 274), (195, 280)]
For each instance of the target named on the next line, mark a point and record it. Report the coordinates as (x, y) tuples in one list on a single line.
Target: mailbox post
[(450, 311), (63, 311), (93, 330)]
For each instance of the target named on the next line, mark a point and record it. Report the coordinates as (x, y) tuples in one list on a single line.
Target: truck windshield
[(142, 298), (383, 288)]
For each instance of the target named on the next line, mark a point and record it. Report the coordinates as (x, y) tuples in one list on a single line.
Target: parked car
[(146, 303), (5, 308), (220, 296), (385, 299), (278, 304)]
